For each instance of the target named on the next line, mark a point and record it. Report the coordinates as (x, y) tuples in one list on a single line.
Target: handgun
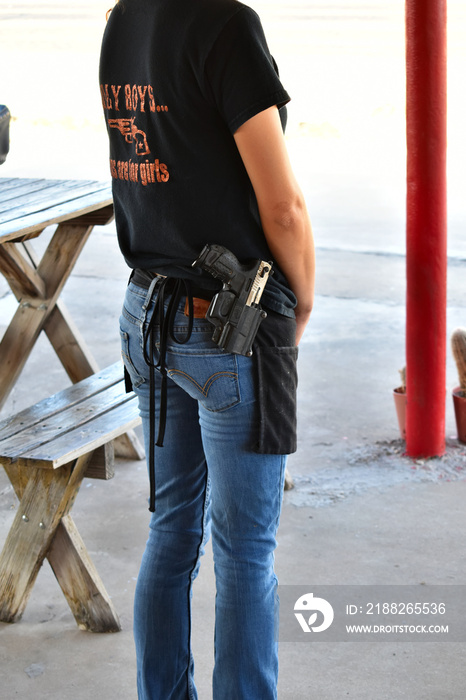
[(235, 310)]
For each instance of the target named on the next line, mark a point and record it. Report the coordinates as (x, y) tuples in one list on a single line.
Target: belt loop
[(148, 299)]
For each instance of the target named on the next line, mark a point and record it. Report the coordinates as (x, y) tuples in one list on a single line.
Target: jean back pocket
[(209, 377)]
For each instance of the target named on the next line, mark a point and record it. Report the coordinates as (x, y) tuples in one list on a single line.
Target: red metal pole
[(426, 227)]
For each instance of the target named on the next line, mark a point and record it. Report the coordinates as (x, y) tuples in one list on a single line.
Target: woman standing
[(195, 113)]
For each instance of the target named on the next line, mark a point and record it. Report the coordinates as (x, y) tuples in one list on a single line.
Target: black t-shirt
[(178, 78)]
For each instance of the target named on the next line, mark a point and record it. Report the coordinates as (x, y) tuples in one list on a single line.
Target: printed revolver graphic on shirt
[(132, 134)]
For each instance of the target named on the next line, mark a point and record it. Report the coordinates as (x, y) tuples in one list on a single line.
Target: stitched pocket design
[(210, 379)]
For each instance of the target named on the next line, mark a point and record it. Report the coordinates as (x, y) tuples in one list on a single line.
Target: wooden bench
[(46, 451)]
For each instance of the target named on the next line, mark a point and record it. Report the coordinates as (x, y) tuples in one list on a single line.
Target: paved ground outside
[(361, 513)]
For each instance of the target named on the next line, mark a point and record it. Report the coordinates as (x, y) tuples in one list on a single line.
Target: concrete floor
[(360, 512)]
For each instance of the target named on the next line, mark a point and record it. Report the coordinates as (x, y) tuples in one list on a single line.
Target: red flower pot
[(459, 403)]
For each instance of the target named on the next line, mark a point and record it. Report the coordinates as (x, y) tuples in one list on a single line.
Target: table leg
[(43, 528), (47, 497), (80, 582), (20, 272), (34, 310), (69, 345)]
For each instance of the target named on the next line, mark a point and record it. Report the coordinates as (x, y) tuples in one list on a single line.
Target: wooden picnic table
[(47, 449), (27, 208)]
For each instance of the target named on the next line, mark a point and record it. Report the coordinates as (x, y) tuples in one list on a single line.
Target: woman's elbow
[(289, 214)]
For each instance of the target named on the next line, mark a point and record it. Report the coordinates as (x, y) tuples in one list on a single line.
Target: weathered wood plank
[(50, 194), (19, 272), (102, 464), (72, 566), (61, 330), (128, 446), (18, 476), (97, 217), (61, 255), (33, 439), (100, 430), (47, 497), (17, 228), (69, 345), (67, 397), (12, 196), (28, 321), (17, 343), (17, 187), (80, 582)]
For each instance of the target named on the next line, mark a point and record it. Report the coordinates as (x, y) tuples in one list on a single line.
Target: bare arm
[(282, 208)]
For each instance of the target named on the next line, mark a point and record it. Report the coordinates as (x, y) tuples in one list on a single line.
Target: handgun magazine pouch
[(277, 380)]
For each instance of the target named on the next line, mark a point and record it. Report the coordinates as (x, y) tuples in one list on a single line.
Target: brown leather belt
[(201, 297), (200, 307)]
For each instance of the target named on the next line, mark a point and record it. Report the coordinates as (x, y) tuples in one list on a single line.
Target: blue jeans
[(208, 481)]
